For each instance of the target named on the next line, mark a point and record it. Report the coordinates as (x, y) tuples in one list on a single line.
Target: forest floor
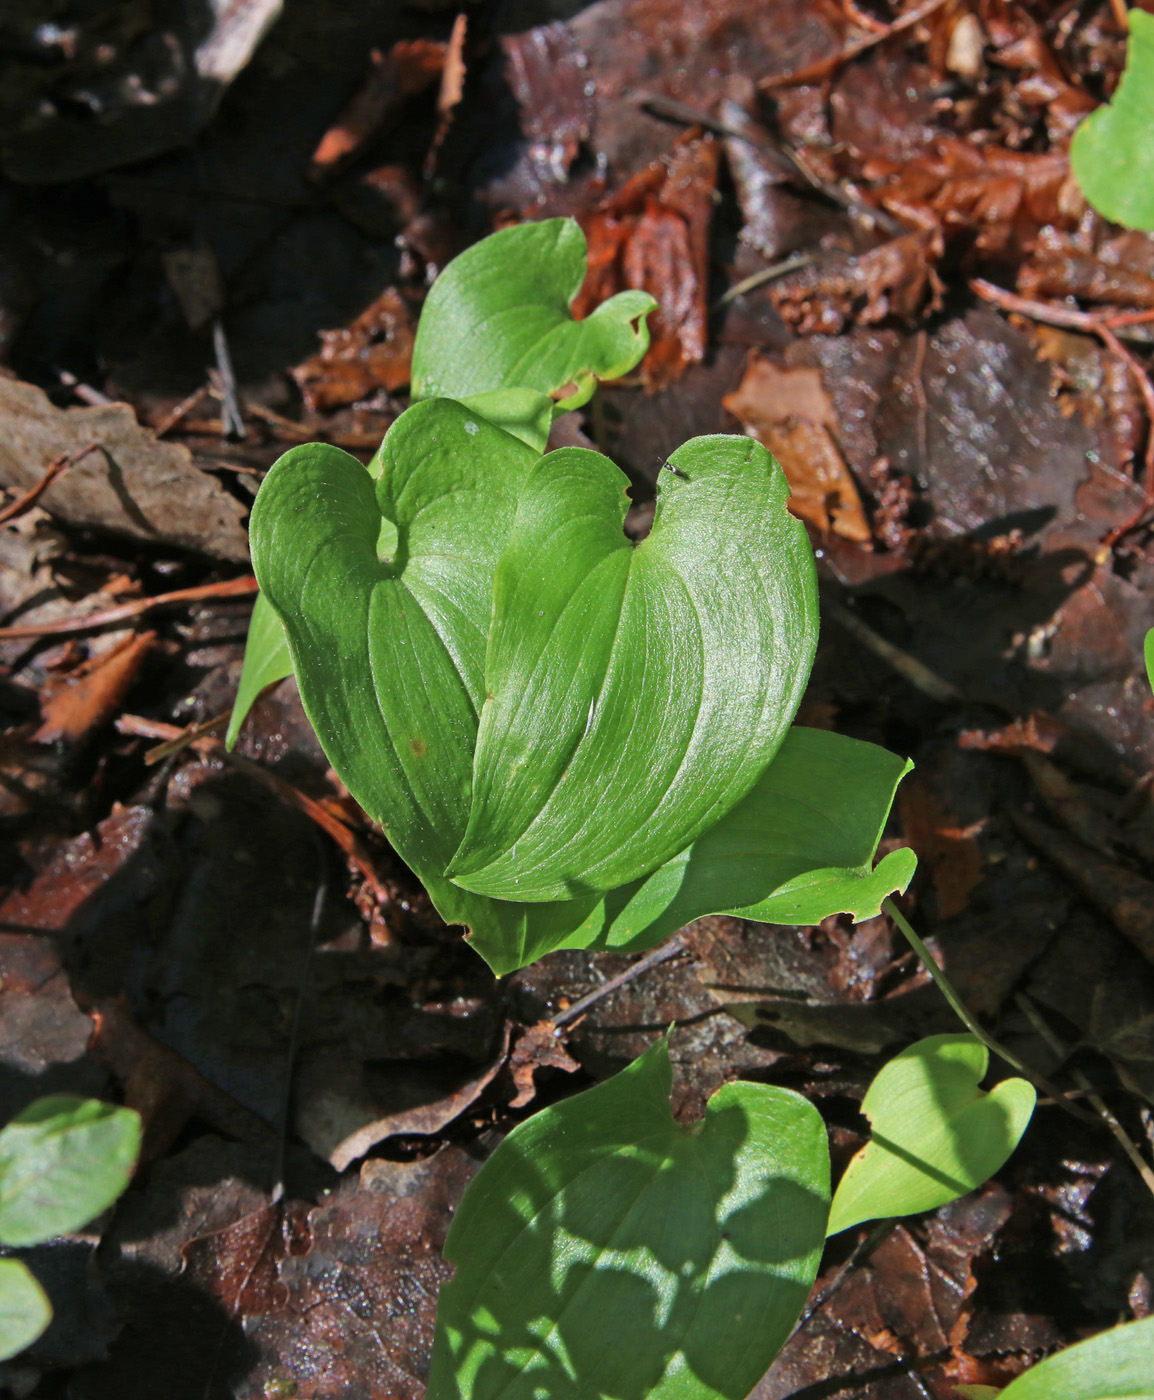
[(212, 248)]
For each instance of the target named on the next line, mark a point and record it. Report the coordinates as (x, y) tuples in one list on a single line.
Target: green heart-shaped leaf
[(1114, 1365), (498, 318), (936, 1135), (384, 588), (635, 692), (605, 1250), (25, 1311), (1112, 153), (62, 1161)]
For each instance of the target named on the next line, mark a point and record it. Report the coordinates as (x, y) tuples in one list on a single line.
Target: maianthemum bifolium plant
[(62, 1161), (576, 741)]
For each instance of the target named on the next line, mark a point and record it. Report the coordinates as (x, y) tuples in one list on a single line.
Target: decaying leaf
[(132, 485), (789, 412), (373, 352)]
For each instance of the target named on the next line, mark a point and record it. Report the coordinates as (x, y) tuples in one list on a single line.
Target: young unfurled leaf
[(1149, 655), (1114, 1365), (604, 1249), (498, 318), (1112, 153), (266, 660), (62, 1161), (24, 1308), (635, 692), (936, 1135)]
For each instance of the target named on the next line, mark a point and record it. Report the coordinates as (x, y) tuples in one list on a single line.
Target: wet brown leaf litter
[(868, 252)]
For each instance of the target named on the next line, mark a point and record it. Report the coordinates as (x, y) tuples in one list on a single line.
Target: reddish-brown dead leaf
[(949, 850), (537, 1048), (92, 694), (410, 66), (240, 1265), (654, 235), (895, 279), (789, 412), (373, 352)]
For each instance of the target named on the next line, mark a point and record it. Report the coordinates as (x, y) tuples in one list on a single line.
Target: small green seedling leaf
[(266, 661), (635, 692), (1114, 1365), (936, 1135), (498, 318), (62, 1161), (25, 1311), (1112, 153), (525, 413), (1149, 650), (606, 1250)]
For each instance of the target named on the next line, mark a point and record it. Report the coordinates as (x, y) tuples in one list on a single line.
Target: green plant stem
[(929, 962)]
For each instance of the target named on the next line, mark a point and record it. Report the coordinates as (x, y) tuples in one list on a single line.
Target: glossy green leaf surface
[(384, 587), (24, 1308), (525, 413), (635, 693), (266, 661), (605, 1250), (799, 848), (62, 1161), (498, 318), (1112, 153), (936, 1134), (1114, 1365)]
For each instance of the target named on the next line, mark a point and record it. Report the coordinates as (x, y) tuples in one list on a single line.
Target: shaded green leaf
[(25, 1311), (62, 1161), (525, 413), (1114, 1365), (605, 1250), (635, 692), (498, 317), (936, 1135), (266, 661), (1112, 153)]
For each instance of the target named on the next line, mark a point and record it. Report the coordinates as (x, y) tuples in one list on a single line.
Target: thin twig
[(916, 672), (232, 421), (817, 72), (180, 412), (945, 986), (788, 157), (759, 279), (1123, 1138), (667, 950), (55, 470), (861, 1251), (66, 626)]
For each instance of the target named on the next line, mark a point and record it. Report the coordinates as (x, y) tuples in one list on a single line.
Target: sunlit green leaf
[(523, 412), (798, 848), (266, 661), (24, 1308), (1112, 153), (605, 1250), (62, 1161), (1149, 649), (1114, 1365), (936, 1135), (635, 693), (498, 318)]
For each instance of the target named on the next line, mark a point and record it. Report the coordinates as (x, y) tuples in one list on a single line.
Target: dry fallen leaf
[(373, 352), (788, 411), (131, 484), (92, 694)]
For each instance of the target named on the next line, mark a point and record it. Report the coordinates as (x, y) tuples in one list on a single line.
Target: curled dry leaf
[(895, 279), (131, 485), (653, 235), (788, 411), (373, 352), (93, 693)]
